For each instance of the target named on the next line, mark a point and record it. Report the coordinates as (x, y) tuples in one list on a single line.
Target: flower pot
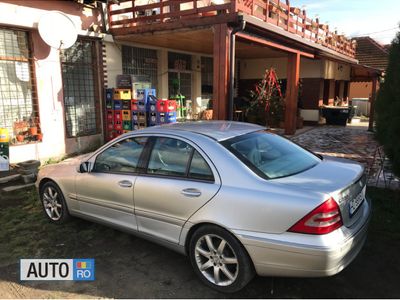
[(20, 138), (33, 130)]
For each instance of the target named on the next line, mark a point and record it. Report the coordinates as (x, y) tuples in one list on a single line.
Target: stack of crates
[(118, 112), (141, 108), (166, 111)]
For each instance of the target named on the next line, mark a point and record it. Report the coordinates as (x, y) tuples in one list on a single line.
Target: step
[(10, 178), (17, 187)]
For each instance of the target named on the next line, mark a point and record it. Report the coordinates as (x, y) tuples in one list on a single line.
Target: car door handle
[(191, 192), (125, 184)]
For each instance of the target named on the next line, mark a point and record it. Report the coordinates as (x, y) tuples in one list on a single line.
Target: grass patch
[(26, 233)]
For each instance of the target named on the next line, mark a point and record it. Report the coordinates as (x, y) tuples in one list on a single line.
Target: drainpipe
[(239, 27)]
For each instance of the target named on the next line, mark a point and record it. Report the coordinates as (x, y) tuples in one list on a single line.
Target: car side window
[(169, 157), (199, 169), (122, 157)]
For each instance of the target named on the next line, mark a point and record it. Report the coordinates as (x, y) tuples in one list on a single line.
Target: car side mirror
[(84, 167)]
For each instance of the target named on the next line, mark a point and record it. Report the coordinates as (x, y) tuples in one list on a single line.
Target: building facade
[(208, 51)]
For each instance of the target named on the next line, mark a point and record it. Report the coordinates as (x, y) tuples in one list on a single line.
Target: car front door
[(177, 181), (106, 191)]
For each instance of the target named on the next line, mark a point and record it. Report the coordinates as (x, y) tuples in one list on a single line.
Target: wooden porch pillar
[(292, 90), (372, 107), (221, 71)]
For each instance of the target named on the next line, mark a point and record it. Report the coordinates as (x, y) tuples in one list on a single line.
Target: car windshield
[(270, 155)]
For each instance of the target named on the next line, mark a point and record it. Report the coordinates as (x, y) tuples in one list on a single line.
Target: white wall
[(309, 68), (113, 62)]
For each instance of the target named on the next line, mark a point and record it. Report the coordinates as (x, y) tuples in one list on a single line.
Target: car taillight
[(322, 220)]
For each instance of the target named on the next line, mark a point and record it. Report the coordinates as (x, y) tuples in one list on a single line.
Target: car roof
[(217, 130)]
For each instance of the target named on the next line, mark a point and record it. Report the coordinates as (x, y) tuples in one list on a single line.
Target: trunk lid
[(342, 179)]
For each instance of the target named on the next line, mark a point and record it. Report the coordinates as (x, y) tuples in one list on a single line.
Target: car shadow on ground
[(130, 267)]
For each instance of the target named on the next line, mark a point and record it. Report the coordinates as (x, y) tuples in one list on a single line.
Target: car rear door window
[(121, 157), (199, 169), (170, 157)]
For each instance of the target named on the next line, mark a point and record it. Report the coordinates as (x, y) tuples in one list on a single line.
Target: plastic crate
[(140, 125), (166, 106), (118, 125), (152, 119), (117, 133), (137, 106), (138, 117), (126, 125), (152, 104), (109, 94), (110, 115), (166, 118), (126, 115), (117, 104), (122, 94), (110, 125), (109, 135), (126, 104), (109, 104), (143, 94), (117, 115)]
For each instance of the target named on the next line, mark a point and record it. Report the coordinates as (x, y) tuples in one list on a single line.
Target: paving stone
[(355, 143)]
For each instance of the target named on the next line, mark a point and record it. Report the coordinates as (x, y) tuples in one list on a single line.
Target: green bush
[(388, 108)]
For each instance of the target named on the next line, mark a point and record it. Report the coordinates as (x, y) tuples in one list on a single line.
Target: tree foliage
[(388, 108)]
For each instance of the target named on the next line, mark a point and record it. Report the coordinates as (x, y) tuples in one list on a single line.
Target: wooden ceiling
[(198, 41)]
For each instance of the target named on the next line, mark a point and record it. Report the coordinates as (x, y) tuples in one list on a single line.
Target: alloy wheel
[(216, 260), (52, 203)]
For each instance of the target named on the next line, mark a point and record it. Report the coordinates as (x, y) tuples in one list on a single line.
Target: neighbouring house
[(212, 51), (372, 54), (57, 91)]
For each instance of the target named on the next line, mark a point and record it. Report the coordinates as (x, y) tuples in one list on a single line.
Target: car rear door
[(178, 179), (106, 192)]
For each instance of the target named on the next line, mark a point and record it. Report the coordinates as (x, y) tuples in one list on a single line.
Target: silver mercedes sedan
[(235, 198)]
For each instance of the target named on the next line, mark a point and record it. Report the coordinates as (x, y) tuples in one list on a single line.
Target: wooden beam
[(265, 42), (372, 108), (293, 74), (221, 71)]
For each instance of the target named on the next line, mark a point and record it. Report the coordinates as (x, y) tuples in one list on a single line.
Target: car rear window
[(270, 155)]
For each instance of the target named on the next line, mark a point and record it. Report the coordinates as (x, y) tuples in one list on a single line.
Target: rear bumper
[(300, 255)]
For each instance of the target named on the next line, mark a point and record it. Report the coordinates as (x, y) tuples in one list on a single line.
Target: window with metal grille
[(140, 62), (79, 66), (18, 102), (179, 61)]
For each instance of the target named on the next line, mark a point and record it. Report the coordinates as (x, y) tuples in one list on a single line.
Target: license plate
[(356, 202)]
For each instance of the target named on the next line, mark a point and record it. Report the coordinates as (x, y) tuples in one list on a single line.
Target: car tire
[(53, 203), (219, 259)]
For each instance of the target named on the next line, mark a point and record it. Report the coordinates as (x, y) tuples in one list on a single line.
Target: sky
[(378, 19)]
